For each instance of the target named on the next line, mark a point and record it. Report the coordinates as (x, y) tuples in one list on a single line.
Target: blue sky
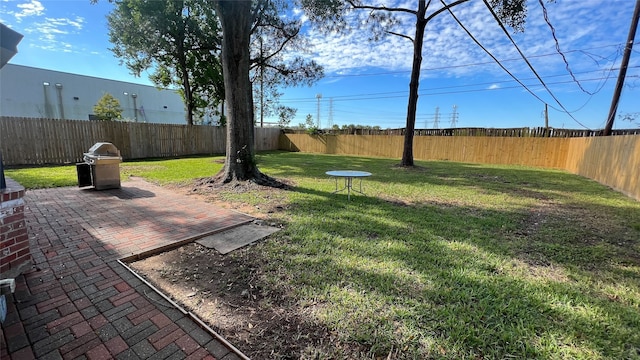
[(367, 83)]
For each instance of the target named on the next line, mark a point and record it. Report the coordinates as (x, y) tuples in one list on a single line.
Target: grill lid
[(102, 153), (102, 149)]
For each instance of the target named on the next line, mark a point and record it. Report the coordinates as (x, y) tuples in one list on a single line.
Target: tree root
[(221, 180)]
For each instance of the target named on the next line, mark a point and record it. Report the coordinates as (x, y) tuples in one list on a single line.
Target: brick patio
[(79, 302)]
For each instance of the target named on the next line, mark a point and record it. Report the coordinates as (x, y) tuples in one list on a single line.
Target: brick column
[(15, 255)]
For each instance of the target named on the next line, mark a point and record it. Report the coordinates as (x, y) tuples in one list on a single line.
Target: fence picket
[(30, 141)]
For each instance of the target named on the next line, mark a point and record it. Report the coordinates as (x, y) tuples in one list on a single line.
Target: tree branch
[(380, 8), (215, 47), (445, 8), (264, 59), (401, 35)]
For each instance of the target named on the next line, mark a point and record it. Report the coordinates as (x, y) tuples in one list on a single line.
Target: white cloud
[(449, 50), (493, 87), (48, 33), (299, 13), (445, 45), (52, 33), (76, 23), (32, 8)]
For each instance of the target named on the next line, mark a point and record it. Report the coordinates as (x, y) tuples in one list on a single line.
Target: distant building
[(40, 93)]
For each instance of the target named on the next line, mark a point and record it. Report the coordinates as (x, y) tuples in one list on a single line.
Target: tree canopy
[(107, 108), (179, 39), (205, 47)]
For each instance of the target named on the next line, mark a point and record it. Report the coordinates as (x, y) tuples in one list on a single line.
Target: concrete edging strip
[(191, 315), (174, 245), (148, 253)]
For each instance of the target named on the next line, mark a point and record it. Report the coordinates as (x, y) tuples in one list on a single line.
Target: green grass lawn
[(172, 171), (449, 261)]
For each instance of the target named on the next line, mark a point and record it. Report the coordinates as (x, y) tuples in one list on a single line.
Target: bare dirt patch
[(271, 199), (229, 293), (225, 291)]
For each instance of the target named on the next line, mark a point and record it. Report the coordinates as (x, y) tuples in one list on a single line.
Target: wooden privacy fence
[(26, 141), (542, 152), (509, 132), (611, 160)]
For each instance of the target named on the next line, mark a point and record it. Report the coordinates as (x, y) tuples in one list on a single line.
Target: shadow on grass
[(464, 281), (551, 269), (519, 181)]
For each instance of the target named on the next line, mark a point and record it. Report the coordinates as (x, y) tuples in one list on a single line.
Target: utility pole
[(330, 121), (623, 70), (546, 120), (318, 96), (546, 116)]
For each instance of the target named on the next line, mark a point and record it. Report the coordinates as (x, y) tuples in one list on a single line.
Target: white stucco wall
[(24, 93)]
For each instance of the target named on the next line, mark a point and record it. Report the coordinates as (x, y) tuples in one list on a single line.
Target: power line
[(502, 66), (355, 110), (402, 94), (584, 51), (538, 77), (523, 57), (553, 34), (386, 117)]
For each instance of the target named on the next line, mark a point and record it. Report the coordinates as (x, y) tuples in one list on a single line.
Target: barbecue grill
[(101, 167)]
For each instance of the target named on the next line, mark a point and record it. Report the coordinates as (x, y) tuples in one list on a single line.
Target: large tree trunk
[(414, 84), (236, 20), (186, 86), (235, 17)]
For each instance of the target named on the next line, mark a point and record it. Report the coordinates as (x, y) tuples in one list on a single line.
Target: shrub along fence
[(27, 141), (611, 160)]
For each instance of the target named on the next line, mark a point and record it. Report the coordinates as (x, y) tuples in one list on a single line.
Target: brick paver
[(79, 302)]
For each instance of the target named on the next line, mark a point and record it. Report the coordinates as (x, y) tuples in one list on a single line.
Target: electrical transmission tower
[(318, 96), (330, 120), (454, 116), (436, 120)]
